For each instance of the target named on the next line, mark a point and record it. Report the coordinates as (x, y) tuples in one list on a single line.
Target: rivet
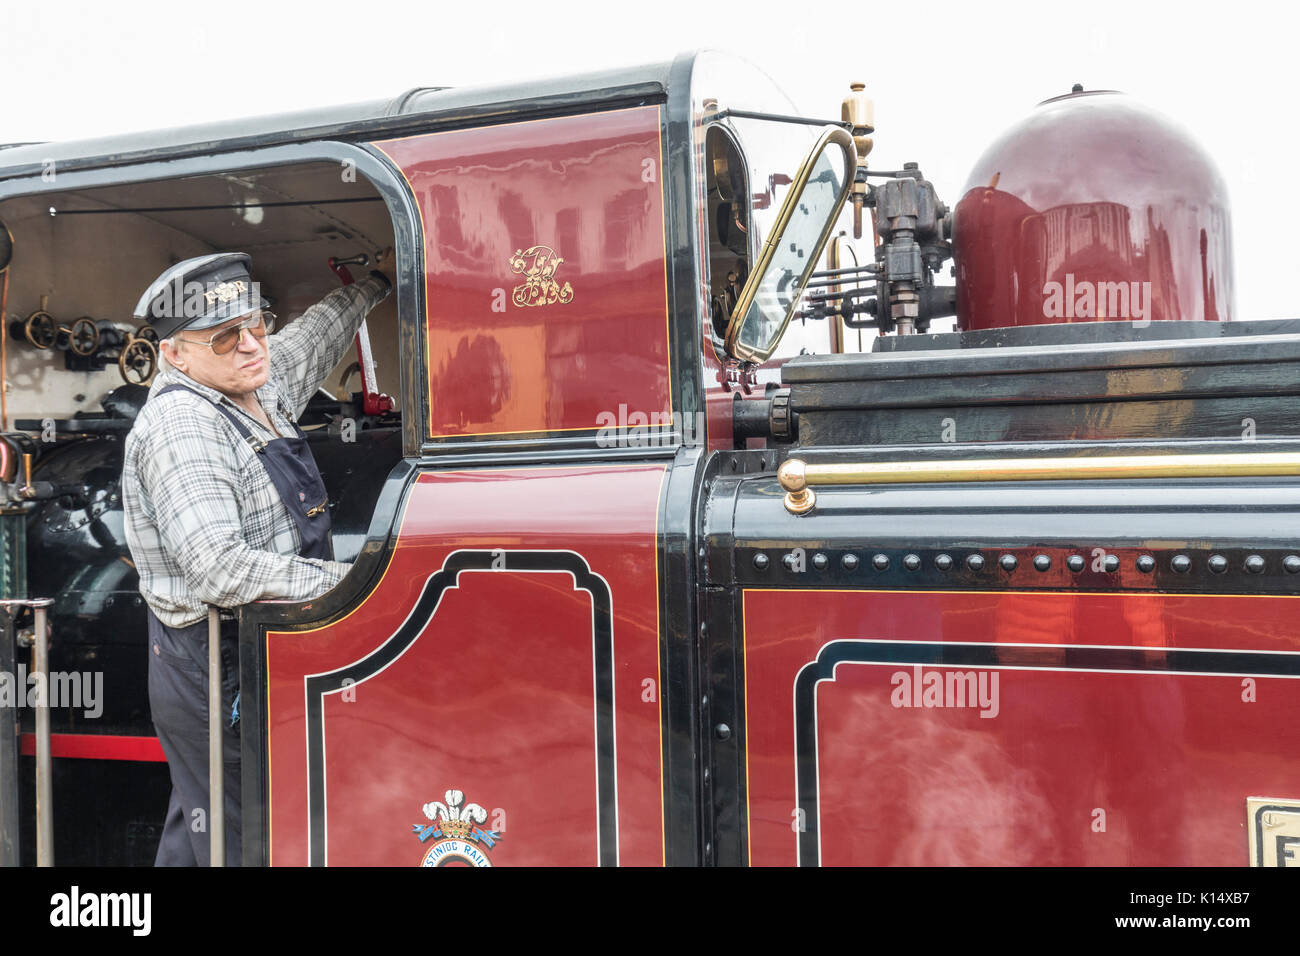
[(1291, 563), (1146, 564), (1218, 563), (1075, 563), (820, 561), (943, 562), (1181, 563), (912, 562), (1042, 562), (1111, 564), (849, 562), (722, 732), (1254, 564), (1008, 562), (880, 562), (760, 561), (975, 562)]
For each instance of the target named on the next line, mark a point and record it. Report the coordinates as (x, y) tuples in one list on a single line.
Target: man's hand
[(385, 263)]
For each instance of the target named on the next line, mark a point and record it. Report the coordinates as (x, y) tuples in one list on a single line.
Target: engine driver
[(223, 501)]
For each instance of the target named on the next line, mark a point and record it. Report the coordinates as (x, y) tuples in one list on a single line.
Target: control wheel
[(41, 330), (83, 337), (149, 334), (138, 362)]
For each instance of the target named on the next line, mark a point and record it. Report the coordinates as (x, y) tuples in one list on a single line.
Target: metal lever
[(373, 402)]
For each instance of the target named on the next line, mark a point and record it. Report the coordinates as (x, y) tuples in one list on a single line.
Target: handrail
[(216, 765), (797, 477), (40, 672)]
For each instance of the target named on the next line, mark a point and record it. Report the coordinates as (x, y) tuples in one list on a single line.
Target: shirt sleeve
[(310, 346), (194, 483)]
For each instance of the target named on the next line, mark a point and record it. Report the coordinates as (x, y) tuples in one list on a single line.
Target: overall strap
[(253, 442)]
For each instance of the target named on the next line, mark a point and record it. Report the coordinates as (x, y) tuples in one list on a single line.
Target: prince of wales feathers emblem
[(457, 830)]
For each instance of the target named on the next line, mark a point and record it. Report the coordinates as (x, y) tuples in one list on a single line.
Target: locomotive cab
[(78, 369)]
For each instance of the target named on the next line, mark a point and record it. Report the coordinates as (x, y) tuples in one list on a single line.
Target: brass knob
[(799, 498)]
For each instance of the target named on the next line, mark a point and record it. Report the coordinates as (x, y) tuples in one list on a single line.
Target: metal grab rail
[(797, 477), (44, 767), (10, 821), (216, 750)]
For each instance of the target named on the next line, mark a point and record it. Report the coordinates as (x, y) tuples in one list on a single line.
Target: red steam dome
[(1093, 208)]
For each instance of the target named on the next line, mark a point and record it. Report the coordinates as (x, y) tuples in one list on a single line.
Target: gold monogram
[(225, 292), (537, 265)]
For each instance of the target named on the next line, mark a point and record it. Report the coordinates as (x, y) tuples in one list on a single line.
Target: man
[(223, 501)]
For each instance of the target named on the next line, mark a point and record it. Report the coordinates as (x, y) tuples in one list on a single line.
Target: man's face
[(240, 371)]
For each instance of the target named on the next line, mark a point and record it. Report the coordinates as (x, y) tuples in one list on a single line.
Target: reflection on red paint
[(1093, 208), (1167, 758), (545, 269)]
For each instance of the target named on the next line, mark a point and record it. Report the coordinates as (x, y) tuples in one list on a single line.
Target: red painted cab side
[(510, 653), (545, 270)]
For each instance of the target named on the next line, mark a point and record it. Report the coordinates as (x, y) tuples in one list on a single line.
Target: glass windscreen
[(797, 247)]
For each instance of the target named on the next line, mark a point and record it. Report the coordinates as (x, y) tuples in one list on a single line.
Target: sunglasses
[(225, 341)]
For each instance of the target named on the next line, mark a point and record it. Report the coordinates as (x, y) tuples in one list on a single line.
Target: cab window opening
[(78, 363)]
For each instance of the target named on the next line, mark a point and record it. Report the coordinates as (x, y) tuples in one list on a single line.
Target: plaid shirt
[(204, 523)]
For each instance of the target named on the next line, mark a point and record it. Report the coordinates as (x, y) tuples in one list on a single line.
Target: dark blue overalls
[(178, 666)]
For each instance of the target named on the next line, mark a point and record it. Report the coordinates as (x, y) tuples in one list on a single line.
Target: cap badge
[(226, 291)]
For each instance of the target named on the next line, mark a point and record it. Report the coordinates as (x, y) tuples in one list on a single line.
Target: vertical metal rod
[(10, 820), (44, 778), (216, 765)]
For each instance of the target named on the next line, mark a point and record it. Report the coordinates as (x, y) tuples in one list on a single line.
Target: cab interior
[(89, 254)]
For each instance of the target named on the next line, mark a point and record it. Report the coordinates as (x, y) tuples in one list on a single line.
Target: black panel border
[(990, 657), (426, 606)]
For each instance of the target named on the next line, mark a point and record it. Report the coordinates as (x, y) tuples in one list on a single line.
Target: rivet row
[(1145, 563)]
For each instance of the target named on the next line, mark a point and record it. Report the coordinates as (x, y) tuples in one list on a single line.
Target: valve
[(138, 361), (41, 330), (83, 337)]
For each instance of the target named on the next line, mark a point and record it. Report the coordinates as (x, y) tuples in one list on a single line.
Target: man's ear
[(172, 351)]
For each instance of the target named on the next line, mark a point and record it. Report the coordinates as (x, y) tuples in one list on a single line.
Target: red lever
[(373, 402)]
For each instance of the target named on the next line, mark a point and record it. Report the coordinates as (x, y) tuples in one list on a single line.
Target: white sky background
[(947, 78)]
